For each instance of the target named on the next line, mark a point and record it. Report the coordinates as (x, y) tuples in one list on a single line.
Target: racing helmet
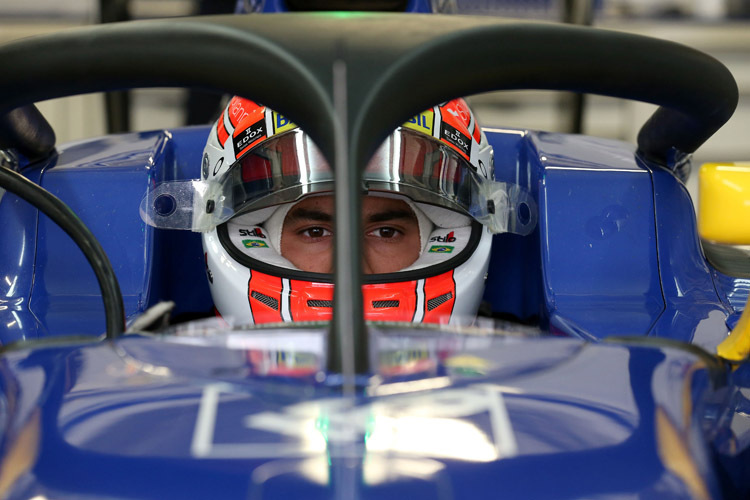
[(439, 163)]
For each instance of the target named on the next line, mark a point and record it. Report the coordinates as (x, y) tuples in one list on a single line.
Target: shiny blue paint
[(513, 287), (619, 255), (732, 290), (102, 181), (179, 254), (18, 248), (598, 240), (603, 265), (694, 312), (618, 243), (107, 414)]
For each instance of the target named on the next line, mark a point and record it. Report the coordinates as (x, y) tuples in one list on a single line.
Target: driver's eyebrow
[(388, 215), (309, 214), (321, 216)]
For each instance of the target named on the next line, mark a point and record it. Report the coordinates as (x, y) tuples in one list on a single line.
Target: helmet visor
[(290, 166)]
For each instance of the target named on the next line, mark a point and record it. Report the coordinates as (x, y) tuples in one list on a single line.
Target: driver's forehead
[(370, 205)]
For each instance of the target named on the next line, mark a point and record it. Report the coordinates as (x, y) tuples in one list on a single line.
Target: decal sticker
[(255, 232), (236, 111), (218, 165), (254, 244), (482, 168), (440, 249), (281, 123), (448, 238), (459, 109), (455, 137), (423, 122), (248, 137)]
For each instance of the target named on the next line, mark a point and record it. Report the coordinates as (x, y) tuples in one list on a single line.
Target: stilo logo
[(448, 238), (255, 232)]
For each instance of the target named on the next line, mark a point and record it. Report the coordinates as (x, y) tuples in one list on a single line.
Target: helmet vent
[(380, 304), (265, 299), (439, 300), (319, 303)]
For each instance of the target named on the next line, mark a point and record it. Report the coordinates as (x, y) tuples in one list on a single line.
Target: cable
[(69, 222)]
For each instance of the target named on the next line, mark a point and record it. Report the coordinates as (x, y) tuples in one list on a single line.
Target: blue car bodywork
[(611, 389)]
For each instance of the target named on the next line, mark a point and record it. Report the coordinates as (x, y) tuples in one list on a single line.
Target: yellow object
[(736, 347), (724, 203), (423, 122), (724, 218), (676, 456), (467, 363)]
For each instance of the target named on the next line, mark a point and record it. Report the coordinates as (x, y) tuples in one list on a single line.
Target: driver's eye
[(316, 232), (385, 232)]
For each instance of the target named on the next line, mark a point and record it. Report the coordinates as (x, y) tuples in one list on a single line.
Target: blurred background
[(717, 27)]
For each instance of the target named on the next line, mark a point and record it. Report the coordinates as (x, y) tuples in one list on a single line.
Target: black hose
[(64, 217)]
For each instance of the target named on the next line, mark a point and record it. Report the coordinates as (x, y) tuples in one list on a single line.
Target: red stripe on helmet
[(310, 301), (238, 109), (439, 298), (221, 131), (390, 301), (264, 294)]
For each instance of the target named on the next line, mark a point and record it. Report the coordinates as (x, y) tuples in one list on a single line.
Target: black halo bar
[(348, 341), (27, 131), (63, 216), (397, 65)]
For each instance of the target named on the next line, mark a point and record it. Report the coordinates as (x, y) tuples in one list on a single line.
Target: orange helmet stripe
[(264, 294), (439, 298), (312, 301), (221, 132)]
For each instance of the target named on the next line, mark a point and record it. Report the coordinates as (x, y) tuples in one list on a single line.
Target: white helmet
[(439, 163)]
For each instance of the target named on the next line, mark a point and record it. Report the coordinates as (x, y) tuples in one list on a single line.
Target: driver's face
[(391, 235)]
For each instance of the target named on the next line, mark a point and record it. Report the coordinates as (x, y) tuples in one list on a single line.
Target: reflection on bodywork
[(404, 425)]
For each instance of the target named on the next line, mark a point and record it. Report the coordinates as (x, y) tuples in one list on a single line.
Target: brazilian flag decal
[(440, 249), (255, 244)]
